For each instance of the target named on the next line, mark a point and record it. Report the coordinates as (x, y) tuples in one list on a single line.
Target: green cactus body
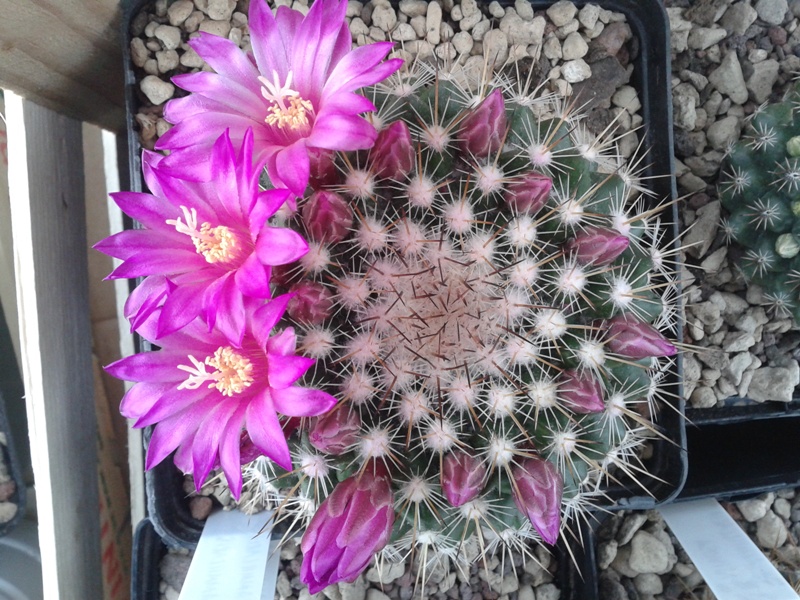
[(760, 188), (454, 316)]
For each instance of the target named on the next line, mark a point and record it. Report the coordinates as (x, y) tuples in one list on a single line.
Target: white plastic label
[(232, 560), (731, 564)]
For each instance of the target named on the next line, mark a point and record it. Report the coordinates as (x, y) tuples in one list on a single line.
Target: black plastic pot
[(148, 550), (167, 503)]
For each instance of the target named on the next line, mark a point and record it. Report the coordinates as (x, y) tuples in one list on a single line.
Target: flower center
[(232, 372), (288, 108), (216, 244)]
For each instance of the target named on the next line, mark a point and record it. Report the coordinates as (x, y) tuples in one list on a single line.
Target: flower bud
[(632, 338), (322, 168), (793, 146), (348, 529), (483, 129), (335, 431), (597, 246), (581, 392), (392, 156), (327, 217), (462, 477), (786, 245), (537, 494), (529, 193), (312, 303)]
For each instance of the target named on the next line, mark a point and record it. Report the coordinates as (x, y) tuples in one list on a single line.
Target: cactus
[(483, 294), (760, 187)]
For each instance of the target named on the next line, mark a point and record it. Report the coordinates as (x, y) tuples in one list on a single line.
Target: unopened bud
[(336, 431), (786, 246), (322, 168), (793, 146), (537, 493), (597, 246), (312, 303), (632, 338), (529, 193), (581, 392), (462, 477), (483, 129), (392, 156), (327, 217)]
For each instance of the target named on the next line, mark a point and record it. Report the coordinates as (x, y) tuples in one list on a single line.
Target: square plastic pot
[(167, 503)]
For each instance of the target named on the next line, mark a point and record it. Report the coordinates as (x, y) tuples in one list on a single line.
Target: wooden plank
[(48, 217), (65, 55)]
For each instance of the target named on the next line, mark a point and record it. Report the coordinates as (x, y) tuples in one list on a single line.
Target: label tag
[(731, 564), (232, 560)]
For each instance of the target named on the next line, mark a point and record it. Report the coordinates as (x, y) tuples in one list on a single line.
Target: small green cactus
[(760, 187), (483, 293)]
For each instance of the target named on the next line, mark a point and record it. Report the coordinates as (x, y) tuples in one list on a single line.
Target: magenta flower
[(483, 129), (205, 247), (537, 493), (597, 246), (529, 193), (296, 91), (462, 477), (348, 529), (392, 156), (581, 392), (336, 431), (632, 338), (200, 392)]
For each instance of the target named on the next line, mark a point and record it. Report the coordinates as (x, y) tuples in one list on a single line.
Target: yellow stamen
[(232, 372), (216, 244), (293, 116)]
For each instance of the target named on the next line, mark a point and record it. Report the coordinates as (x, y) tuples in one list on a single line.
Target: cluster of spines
[(452, 316), (760, 188)]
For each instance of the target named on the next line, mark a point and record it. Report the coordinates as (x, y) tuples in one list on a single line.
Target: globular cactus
[(760, 187), (483, 294)]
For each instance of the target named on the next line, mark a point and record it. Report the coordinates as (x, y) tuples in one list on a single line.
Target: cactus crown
[(469, 302), (760, 187)]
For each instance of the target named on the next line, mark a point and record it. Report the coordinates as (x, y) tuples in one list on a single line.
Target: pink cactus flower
[(483, 129), (597, 246), (311, 304), (204, 247), (529, 193), (201, 392), (336, 431), (327, 217), (348, 529), (581, 392), (297, 91), (392, 156), (630, 337), (462, 477), (537, 494)]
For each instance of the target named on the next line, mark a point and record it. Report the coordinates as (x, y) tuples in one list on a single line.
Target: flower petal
[(265, 430), (159, 366), (298, 401), (225, 57), (342, 132), (252, 278), (279, 245), (292, 166), (230, 451), (283, 371)]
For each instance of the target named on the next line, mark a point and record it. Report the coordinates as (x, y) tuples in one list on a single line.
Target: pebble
[(169, 36), (157, 90), (576, 70), (728, 79), (648, 554), (771, 11)]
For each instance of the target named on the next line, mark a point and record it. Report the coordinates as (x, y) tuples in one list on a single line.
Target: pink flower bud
[(312, 303), (597, 246), (336, 431), (537, 494), (322, 168), (581, 392), (483, 129), (632, 338), (462, 477), (529, 193), (392, 156), (348, 529), (327, 217)]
